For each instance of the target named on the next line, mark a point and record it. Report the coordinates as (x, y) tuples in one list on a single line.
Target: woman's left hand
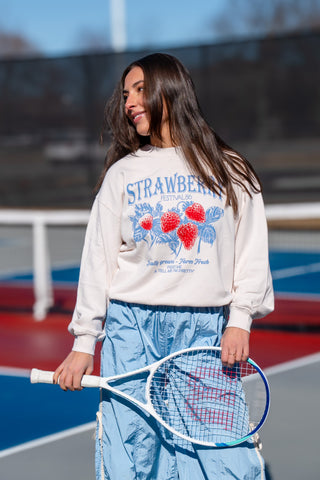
[(234, 346)]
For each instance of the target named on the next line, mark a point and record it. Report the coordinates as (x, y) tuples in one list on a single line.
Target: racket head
[(198, 399)]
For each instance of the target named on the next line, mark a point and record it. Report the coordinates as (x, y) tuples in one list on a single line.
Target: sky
[(58, 27)]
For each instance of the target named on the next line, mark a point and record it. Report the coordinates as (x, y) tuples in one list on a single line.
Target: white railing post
[(39, 221), (42, 282)]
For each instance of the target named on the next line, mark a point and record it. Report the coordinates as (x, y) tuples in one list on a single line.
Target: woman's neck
[(166, 140)]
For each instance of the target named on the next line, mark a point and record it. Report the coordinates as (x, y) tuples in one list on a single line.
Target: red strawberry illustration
[(196, 212), (188, 234), (146, 221), (169, 221)]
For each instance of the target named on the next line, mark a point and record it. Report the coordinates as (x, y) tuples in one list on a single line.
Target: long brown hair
[(167, 82)]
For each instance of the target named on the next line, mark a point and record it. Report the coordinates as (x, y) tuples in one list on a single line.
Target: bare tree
[(14, 45), (266, 17)]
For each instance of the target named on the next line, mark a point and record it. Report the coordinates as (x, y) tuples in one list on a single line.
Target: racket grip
[(41, 376)]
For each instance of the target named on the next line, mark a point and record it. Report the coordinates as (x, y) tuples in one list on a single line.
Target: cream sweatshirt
[(157, 236)]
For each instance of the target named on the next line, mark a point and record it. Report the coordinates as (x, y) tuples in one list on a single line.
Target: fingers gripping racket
[(195, 397)]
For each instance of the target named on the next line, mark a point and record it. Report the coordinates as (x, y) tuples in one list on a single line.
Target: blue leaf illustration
[(157, 211), (156, 228), (213, 214), (142, 209), (139, 233), (174, 244), (207, 234)]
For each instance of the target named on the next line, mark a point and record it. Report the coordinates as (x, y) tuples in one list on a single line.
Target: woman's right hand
[(72, 369)]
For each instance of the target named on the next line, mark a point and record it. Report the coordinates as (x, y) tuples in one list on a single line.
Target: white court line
[(280, 368), (7, 274), (306, 297), (48, 439), (296, 271), (292, 364), (14, 372)]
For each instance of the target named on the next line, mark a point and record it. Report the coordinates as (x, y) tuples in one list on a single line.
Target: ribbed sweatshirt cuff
[(84, 344), (239, 318)]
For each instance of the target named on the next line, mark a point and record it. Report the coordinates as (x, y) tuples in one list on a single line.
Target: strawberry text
[(167, 186)]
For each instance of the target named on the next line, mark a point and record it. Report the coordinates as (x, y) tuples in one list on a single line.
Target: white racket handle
[(43, 376)]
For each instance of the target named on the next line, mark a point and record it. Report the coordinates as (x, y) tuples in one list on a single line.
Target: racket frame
[(40, 376)]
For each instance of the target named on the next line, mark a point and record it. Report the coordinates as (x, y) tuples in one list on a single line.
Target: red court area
[(291, 331)]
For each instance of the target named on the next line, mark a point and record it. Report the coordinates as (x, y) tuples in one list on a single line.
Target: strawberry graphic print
[(196, 212), (169, 221), (146, 222), (188, 234), (183, 227)]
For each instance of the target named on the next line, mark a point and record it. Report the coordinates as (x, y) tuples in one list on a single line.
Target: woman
[(175, 256)]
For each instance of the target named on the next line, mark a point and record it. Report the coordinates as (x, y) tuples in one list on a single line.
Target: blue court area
[(68, 275), (30, 411), (293, 272)]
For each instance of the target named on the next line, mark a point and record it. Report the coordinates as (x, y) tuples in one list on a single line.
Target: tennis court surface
[(47, 433)]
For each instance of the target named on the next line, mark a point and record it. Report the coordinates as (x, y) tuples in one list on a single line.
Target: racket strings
[(202, 400)]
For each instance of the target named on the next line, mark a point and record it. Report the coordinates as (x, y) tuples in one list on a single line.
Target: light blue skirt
[(131, 445)]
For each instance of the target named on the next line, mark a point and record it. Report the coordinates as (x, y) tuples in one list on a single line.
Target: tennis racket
[(195, 397)]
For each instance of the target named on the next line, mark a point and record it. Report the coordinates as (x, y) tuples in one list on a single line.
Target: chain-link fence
[(255, 93)]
